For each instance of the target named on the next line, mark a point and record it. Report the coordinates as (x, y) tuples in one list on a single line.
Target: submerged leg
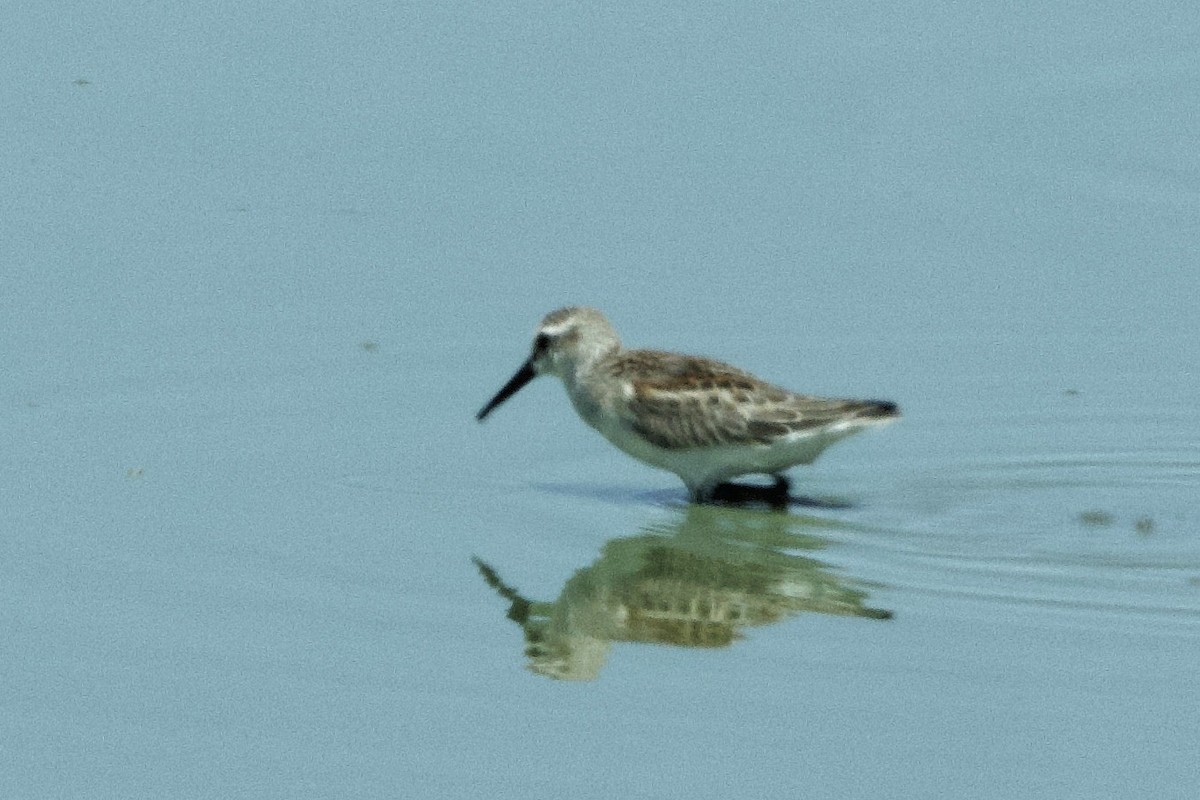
[(777, 495)]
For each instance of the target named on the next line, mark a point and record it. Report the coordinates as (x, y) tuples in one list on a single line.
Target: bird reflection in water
[(695, 583)]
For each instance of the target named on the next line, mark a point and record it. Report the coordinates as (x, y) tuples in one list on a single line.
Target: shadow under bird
[(704, 420)]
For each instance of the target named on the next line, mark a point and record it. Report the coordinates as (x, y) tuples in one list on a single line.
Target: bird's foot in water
[(777, 496)]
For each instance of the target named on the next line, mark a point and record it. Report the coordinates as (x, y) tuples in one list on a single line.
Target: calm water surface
[(261, 265)]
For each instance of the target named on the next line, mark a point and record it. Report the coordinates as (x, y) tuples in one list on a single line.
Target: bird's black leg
[(782, 487), (777, 495)]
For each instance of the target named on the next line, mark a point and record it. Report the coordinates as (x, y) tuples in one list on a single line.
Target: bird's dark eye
[(540, 343)]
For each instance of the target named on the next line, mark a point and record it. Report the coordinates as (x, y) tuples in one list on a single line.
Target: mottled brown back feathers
[(694, 402)]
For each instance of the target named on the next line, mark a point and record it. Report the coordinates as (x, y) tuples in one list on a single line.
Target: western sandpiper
[(703, 420)]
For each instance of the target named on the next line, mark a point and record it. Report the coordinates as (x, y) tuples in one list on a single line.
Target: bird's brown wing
[(680, 402)]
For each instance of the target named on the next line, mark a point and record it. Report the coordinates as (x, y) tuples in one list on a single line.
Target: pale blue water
[(261, 264)]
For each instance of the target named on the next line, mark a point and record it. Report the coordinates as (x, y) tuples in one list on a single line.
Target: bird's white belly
[(701, 468)]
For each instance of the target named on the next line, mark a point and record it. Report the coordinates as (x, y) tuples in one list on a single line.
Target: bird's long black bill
[(524, 375)]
